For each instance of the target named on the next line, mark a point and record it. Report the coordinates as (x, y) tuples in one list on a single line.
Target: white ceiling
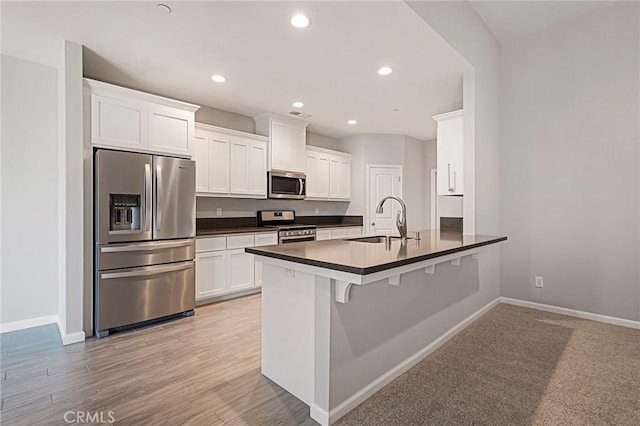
[(330, 66), (511, 20)]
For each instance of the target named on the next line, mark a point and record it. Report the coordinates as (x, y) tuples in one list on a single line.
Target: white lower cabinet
[(239, 270), (211, 274), (270, 239), (324, 234), (223, 267)]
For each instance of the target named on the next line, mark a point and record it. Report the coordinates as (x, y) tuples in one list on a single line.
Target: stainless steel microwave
[(288, 185)]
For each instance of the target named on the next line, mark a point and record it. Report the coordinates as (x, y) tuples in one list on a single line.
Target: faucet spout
[(401, 219)]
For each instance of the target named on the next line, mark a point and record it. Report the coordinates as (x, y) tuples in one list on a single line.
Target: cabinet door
[(317, 171), (258, 168), (344, 178), (334, 164), (278, 143), (119, 123), (297, 143), (211, 274), (288, 147), (170, 130), (218, 147), (239, 166), (270, 239), (239, 270), (201, 156), (450, 157)]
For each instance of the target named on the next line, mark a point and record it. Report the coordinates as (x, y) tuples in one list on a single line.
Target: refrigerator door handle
[(153, 270), (158, 212), (146, 247), (147, 192)]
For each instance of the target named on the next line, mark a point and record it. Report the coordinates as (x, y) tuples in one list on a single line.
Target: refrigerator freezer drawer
[(116, 256), (128, 296)]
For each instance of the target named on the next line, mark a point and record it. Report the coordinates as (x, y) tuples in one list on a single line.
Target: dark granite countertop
[(366, 258)]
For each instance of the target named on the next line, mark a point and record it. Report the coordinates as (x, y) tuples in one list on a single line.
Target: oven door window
[(285, 185)]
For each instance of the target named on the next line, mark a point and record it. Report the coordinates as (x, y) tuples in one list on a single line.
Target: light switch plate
[(538, 281)]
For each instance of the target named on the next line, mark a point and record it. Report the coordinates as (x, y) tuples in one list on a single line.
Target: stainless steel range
[(288, 230)]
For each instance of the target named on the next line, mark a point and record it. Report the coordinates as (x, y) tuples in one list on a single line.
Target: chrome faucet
[(401, 222)]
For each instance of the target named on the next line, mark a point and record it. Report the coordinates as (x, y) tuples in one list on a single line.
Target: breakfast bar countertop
[(365, 258)]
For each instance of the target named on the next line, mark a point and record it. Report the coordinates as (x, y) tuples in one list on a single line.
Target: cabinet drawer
[(323, 235), (240, 241), (338, 233), (354, 232), (210, 244), (269, 239)]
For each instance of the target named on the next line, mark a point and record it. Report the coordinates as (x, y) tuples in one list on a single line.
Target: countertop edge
[(371, 269)]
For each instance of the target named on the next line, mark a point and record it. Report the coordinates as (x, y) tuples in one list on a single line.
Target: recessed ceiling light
[(163, 8), (352, 122), (385, 70), (218, 78), (300, 21), (395, 110), (297, 104)]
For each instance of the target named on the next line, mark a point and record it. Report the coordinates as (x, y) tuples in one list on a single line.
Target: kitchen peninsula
[(342, 318)]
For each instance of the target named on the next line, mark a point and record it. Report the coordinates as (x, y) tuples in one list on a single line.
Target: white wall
[(570, 162), (369, 149), (29, 190), (415, 187), (430, 162)]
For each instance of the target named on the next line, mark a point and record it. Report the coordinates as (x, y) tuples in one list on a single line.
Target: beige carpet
[(518, 366)]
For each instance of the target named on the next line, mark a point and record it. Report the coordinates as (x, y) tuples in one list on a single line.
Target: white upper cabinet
[(201, 151), (118, 122), (234, 162), (450, 141), (287, 142), (170, 130), (218, 163), (340, 177), (127, 119), (317, 171), (328, 174)]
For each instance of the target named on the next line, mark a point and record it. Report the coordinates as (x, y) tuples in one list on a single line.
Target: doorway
[(382, 180)]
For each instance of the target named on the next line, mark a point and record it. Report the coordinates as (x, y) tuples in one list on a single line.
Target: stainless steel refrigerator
[(145, 215)]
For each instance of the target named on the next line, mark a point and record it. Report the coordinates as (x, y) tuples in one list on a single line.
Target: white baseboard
[(29, 323), (319, 415), (572, 312), (399, 369), (68, 339)]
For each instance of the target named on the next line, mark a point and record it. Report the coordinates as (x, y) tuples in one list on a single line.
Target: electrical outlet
[(538, 281), (288, 272), (219, 211), (317, 210)]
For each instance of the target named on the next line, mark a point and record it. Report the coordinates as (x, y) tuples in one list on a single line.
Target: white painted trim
[(72, 338), (231, 132), (572, 312), (398, 370), (28, 323), (433, 207), (319, 415), (109, 90), (328, 151)]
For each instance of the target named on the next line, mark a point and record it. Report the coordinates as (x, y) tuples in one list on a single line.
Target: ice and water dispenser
[(125, 212)]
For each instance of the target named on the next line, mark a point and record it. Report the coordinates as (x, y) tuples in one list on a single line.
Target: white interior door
[(383, 181)]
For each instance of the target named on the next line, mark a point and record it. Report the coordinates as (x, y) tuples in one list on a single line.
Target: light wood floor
[(201, 370)]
